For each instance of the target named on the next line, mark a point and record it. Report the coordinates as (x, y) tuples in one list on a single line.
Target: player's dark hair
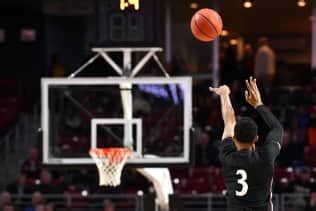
[(245, 130)]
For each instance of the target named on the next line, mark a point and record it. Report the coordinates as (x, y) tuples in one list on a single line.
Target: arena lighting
[(140, 193), (176, 181), (247, 3), (194, 5), (224, 33), (301, 3), (233, 42), (284, 180), (289, 169), (84, 193)]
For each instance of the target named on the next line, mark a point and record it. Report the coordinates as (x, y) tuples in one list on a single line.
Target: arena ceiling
[(266, 16)]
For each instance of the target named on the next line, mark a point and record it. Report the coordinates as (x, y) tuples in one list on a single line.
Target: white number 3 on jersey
[(242, 182)]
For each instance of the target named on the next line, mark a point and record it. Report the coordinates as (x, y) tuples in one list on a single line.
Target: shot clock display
[(128, 22), (125, 3)]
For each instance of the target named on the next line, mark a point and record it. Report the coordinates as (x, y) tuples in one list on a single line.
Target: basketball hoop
[(110, 163)]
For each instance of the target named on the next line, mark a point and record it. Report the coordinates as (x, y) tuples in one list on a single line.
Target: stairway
[(15, 144)]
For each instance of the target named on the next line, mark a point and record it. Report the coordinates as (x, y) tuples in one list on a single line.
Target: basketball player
[(248, 170)]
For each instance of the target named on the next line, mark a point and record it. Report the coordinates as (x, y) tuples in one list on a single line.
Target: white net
[(110, 163)]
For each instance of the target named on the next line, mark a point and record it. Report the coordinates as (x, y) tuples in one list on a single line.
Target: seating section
[(10, 103)]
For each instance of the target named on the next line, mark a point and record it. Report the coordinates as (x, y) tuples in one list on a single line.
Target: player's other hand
[(252, 93), (222, 90)]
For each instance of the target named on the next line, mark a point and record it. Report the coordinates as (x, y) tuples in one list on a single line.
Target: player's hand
[(252, 93), (222, 90)]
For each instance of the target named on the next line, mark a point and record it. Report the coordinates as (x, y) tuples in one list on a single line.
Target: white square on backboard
[(114, 121)]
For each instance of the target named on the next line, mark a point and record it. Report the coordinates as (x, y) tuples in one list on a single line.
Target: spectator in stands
[(300, 186), (301, 119), (40, 207), (5, 199), (299, 125), (287, 151), (301, 183), (229, 68), (32, 166), (310, 150), (46, 185), (206, 150), (108, 205), (49, 207), (212, 183), (247, 62), (8, 207), (202, 149), (237, 95), (57, 68), (312, 203), (37, 199), (184, 186), (219, 181), (19, 186), (281, 185), (264, 63), (311, 133)]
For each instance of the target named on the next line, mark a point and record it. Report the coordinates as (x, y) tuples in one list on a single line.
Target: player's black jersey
[(248, 173)]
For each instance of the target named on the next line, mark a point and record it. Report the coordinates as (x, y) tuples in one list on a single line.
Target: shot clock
[(128, 23)]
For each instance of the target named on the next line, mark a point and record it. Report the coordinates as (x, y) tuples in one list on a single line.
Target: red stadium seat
[(283, 175), (310, 156)]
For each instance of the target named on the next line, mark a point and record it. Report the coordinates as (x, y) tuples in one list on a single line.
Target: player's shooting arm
[(228, 112), (253, 97), (228, 117), (275, 127)]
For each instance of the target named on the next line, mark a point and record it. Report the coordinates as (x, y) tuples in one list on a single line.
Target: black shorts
[(264, 208)]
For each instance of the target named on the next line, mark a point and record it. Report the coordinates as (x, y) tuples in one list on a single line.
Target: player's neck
[(241, 146)]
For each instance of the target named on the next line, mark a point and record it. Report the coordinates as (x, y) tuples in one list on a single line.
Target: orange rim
[(107, 152)]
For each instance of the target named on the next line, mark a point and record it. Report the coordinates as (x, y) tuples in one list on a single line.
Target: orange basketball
[(206, 25)]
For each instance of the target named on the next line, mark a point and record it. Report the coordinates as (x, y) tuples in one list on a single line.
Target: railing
[(295, 202), (122, 202), (214, 202), (133, 202), (9, 145)]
